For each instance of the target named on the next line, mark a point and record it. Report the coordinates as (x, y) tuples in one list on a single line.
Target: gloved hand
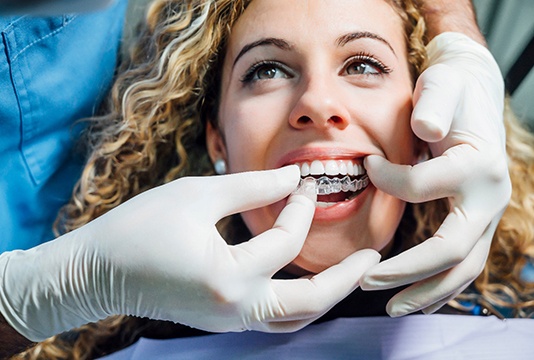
[(458, 110), (160, 256)]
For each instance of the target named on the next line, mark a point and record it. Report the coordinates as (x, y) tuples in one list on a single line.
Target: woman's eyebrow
[(280, 43), (344, 39)]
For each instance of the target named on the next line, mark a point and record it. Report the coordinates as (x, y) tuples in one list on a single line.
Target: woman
[(268, 83), (300, 98)]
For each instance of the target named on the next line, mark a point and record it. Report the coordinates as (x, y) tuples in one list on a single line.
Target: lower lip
[(343, 209)]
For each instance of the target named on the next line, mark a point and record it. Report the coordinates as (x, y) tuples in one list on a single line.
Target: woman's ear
[(215, 143)]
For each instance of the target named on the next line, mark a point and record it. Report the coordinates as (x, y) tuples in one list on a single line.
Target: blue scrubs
[(53, 71)]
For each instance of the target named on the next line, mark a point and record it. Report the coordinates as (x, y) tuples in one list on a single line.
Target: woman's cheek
[(260, 220), (385, 218)]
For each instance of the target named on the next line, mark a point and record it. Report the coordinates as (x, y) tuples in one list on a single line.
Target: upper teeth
[(331, 167), (325, 185)]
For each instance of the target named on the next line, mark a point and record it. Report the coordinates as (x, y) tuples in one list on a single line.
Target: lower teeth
[(325, 204)]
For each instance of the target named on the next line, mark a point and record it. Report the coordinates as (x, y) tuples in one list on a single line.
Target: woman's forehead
[(317, 20)]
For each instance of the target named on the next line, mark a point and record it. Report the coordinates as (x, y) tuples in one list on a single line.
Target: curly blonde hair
[(154, 132)]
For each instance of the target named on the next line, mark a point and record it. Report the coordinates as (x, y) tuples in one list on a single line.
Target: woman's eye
[(269, 72), (265, 71), (365, 65), (361, 68)]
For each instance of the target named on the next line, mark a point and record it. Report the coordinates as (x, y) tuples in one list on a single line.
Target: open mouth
[(336, 180)]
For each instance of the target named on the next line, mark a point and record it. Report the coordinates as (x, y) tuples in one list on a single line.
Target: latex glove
[(160, 256), (458, 109)]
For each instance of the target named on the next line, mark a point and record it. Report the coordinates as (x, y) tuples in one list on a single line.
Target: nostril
[(336, 119), (304, 120)]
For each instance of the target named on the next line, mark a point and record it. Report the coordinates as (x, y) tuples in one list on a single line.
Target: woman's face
[(321, 84)]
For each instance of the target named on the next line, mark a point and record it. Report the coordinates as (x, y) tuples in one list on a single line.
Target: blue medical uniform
[(53, 72)]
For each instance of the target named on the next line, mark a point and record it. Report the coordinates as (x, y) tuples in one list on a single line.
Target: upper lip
[(308, 154)]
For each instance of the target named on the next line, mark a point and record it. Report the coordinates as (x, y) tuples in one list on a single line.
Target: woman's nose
[(319, 106)]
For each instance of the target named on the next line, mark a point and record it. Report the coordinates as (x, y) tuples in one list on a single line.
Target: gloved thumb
[(436, 96), (249, 190)]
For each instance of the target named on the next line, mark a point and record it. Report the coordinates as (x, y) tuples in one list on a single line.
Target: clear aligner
[(326, 185)]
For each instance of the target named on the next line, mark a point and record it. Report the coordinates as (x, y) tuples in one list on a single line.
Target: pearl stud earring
[(220, 166)]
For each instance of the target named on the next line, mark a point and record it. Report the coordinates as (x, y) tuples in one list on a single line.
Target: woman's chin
[(305, 265), (317, 256)]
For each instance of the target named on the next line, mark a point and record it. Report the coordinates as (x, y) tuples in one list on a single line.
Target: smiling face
[(323, 86)]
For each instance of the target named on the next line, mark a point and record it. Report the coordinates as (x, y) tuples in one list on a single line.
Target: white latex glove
[(458, 109), (160, 256)]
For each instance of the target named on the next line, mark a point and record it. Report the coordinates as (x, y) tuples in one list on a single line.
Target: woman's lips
[(343, 209), (341, 180), (341, 187), (327, 211), (336, 181)]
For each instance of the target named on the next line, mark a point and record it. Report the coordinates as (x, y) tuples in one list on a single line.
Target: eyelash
[(367, 58), (360, 57)]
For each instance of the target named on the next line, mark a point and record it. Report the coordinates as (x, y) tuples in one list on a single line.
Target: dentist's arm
[(451, 16), (458, 110), (159, 255)]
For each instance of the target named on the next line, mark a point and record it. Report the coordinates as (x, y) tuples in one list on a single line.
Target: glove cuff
[(15, 294), (6, 307), (449, 46), (49, 289)]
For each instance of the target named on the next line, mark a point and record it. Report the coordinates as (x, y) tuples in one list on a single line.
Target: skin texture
[(327, 99), (445, 15)]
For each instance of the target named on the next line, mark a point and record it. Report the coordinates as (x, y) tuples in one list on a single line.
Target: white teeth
[(342, 167), (316, 168), (325, 204), (304, 169), (331, 168), (341, 172), (350, 169)]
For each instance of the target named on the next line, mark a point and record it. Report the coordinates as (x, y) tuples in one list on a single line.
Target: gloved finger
[(453, 242), (270, 251), (438, 305), (286, 326), (234, 193), (393, 311), (438, 91), (224, 195), (436, 178), (317, 298), (438, 289), (431, 294), (308, 298), (414, 299)]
